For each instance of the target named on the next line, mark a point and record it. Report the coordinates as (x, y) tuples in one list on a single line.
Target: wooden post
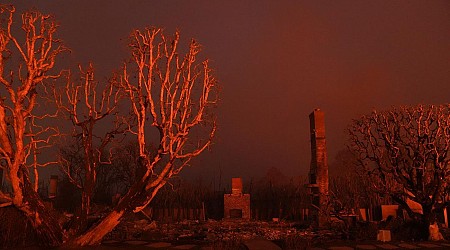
[(203, 211)]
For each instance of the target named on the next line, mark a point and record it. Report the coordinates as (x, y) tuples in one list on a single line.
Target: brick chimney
[(53, 186), (318, 174), (236, 186), (236, 204)]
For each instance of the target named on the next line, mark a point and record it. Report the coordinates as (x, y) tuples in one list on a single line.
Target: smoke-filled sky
[(276, 62)]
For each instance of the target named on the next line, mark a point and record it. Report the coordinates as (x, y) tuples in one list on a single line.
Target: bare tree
[(405, 153), (171, 99), (24, 67), (89, 106), (122, 173), (350, 185)]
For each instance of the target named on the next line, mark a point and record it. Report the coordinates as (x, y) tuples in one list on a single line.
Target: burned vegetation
[(168, 95)]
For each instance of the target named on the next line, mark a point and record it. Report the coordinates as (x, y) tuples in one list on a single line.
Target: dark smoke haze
[(277, 61)]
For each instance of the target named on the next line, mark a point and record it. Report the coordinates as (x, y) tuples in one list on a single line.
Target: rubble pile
[(208, 231)]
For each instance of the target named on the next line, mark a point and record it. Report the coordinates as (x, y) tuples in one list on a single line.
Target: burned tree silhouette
[(93, 111), (171, 99), (404, 151), (27, 57)]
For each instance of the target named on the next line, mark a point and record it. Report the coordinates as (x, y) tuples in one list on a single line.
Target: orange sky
[(277, 61)]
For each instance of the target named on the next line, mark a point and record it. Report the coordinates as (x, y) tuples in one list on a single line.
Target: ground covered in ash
[(224, 233), (231, 234)]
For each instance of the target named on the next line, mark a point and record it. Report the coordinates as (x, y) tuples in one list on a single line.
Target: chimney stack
[(236, 186)]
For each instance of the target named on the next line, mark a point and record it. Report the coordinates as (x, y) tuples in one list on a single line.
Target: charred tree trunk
[(422, 219), (96, 234), (139, 195), (89, 175), (93, 236), (428, 215), (28, 201), (86, 197), (48, 230)]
